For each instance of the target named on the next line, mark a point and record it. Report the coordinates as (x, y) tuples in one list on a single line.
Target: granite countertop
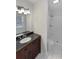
[(19, 46)]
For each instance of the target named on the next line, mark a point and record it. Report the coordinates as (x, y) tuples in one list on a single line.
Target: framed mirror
[(20, 23)]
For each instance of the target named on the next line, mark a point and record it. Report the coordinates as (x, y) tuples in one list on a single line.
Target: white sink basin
[(25, 40)]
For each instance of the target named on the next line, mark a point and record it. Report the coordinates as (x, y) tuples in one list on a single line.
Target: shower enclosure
[(54, 34), (53, 22)]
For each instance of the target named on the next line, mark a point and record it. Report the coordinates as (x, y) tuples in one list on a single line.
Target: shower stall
[(54, 34), (54, 31)]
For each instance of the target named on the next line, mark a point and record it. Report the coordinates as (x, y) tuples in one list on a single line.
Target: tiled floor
[(54, 52), (54, 57), (49, 57), (40, 57)]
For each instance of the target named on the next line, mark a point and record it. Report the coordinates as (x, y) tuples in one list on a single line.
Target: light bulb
[(20, 12), (17, 9), (27, 12)]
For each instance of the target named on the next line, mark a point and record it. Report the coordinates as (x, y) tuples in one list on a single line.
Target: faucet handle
[(24, 36)]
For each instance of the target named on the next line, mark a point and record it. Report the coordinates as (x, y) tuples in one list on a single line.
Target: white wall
[(40, 13), (29, 22)]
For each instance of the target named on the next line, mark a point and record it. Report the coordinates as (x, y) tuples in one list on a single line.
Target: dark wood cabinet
[(31, 50), (20, 55)]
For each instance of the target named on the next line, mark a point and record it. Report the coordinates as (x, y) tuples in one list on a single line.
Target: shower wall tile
[(55, 29)]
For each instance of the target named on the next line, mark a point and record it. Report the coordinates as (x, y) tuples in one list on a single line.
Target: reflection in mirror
[(20, 23)]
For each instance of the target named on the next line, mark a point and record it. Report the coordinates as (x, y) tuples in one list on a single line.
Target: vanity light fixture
[(21, 10), (18, 9), (27, 11)]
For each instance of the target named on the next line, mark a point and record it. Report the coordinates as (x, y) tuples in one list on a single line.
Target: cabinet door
[(30, 55), (35, 47), (27, 52), (19, 55), (26, 55)]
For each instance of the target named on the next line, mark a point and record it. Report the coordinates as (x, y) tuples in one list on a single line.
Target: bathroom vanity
[(30, 49)]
